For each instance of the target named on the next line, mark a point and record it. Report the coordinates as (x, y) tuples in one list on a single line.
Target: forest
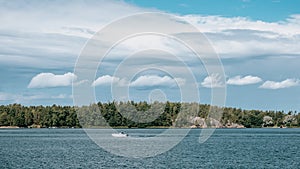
[(141, 115)]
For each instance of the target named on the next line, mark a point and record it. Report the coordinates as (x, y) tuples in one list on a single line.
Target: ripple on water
[(227, 148)]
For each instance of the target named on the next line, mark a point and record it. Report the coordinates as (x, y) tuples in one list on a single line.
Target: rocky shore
[(199, 122)]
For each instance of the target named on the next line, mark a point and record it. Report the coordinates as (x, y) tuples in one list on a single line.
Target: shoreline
[(123, 127), (9, 127)]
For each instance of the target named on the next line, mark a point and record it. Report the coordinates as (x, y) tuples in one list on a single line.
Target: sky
[(257, 43)]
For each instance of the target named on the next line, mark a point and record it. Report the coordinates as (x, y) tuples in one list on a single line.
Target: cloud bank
[(237, 37)]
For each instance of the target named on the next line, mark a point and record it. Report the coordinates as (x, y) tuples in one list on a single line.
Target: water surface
[(227, 148)]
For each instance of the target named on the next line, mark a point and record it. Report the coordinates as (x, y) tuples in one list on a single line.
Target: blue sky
[(267, 10), (257, 41)]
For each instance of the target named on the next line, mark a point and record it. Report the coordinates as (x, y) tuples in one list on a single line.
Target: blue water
[(227, 148)]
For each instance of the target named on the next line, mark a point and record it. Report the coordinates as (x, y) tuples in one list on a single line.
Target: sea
[(226, 148)]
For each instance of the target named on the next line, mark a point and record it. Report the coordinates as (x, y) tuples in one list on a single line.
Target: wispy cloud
[(48, 37), (7, 98), (280, 85), (242, 37), (213, 24), (53, 32), (213, 81), (60, 38), (62, 96), (19, 98), (44, 80), (239, 80)]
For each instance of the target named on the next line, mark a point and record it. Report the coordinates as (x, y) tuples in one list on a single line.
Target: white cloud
[(106, 80), (60, 39), (238, 80), (280, 85), (242, 37), (150, 42), (154, 80), (142, 81), (288, 27), (44, 80), (53, 32), (213, 81), (50, 35), (67, 17)]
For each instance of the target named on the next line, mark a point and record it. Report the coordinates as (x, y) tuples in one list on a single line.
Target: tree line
[(140, 114)]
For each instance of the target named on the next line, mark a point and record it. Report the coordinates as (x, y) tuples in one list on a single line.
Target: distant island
[(171, 114)]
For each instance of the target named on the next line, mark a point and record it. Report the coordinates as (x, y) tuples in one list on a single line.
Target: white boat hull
[(120, 135)]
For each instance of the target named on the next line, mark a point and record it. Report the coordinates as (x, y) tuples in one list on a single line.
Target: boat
[(121, 134)]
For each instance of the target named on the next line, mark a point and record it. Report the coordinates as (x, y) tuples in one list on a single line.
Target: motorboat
[(121, 134)]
